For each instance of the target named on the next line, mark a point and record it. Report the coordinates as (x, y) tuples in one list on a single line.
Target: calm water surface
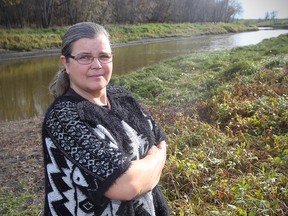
[(23, 83)]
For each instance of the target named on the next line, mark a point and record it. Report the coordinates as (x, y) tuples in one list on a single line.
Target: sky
[(255, 9)]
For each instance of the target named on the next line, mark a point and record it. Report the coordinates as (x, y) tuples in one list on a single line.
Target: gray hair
[(61, 82)]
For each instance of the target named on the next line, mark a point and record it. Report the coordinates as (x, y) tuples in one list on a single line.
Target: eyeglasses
[(86, 59)]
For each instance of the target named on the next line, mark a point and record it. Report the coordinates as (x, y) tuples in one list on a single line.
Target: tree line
[(270, 15), (47, 13)]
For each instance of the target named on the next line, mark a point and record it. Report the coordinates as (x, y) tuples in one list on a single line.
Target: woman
[(103, 153)]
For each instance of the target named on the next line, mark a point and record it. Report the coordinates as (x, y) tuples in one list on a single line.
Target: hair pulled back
[(61, 82)]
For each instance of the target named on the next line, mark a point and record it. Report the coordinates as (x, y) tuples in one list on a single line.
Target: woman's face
[(89, 78)]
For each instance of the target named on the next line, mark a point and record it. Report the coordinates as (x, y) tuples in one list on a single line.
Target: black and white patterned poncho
[(87, 147)]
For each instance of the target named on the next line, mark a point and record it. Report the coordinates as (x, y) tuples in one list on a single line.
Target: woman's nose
[(96, 63)]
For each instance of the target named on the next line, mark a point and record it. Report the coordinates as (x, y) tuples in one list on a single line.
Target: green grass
[(226, 117), (125, 33), (22, 205), (260, 22), (19, 205), (33, 39)]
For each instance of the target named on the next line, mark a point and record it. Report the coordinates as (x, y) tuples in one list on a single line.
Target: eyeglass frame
[(98, 58)]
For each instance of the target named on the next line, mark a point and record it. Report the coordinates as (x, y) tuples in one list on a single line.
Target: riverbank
[(30, 41), (7, 55), (225, 115)]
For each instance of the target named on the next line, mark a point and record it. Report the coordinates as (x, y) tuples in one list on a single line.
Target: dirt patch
[(21, 158)]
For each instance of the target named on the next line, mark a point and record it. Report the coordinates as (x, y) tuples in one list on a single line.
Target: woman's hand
[(159, 153), (142, 176)]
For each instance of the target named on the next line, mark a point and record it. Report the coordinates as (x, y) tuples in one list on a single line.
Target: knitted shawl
[(87, 147)]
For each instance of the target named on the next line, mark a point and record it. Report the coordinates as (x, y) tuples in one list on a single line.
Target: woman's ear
[(64, 62)]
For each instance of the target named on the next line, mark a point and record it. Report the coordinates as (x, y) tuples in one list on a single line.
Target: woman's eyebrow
[(105, 52), (91, 53), (85, 53)]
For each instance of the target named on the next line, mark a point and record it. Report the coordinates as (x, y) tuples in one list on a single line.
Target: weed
[(225, 114), (21, 205)]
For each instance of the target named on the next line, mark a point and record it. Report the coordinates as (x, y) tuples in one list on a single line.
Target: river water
[(23, 83)]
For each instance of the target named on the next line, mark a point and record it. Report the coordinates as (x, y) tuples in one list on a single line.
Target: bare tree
[(13, 12), (153, 10), (46, 9), (267, 16), (204, 11), (97, 11), (232, 8), (273, 15), (44, 13), (226, 10), (185, 10), (270, 15), (73, 8), (123, 11), (5, 17)]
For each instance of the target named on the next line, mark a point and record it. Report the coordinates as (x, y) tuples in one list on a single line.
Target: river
[(23, 83)]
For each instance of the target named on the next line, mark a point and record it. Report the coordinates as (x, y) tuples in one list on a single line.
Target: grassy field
[(226, 117), (33, 39)]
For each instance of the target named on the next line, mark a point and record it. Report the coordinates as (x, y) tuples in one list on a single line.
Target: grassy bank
[(31, 39), (226, 116), (278, 23)]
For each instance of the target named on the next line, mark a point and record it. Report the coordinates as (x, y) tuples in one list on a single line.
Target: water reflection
[(133, 57), (247, 38), (23, 84), (23, 88)]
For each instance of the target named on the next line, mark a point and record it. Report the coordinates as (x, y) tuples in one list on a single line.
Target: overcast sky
[(254, 9)]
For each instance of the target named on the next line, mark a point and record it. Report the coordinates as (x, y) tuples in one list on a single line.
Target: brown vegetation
[(21, 159)]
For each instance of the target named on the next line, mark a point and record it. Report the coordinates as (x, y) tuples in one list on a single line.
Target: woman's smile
[(96, 75)]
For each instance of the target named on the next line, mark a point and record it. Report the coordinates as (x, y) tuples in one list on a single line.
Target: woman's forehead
[(98, 44)]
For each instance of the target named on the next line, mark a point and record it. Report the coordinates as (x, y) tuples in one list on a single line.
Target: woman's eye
[(85, 57), (104, 57)]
